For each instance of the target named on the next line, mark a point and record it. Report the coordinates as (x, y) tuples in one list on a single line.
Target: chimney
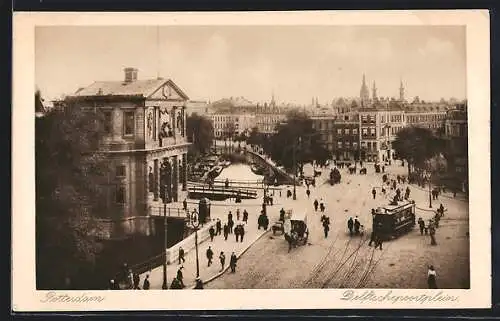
[(130, 75)]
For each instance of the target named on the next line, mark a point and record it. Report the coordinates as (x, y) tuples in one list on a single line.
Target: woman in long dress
[(431, 278)]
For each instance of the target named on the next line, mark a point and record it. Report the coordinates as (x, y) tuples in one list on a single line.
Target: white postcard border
[(26, 298)]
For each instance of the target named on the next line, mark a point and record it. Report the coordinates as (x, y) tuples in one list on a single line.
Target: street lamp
[(165, 285), (195, 223), (295, 171), (430, 192)]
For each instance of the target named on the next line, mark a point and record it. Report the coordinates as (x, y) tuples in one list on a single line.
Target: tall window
[(108, 121), (339, 131), (120, 171), (354, 131), (120, 194), (346, 131), (128, 123)]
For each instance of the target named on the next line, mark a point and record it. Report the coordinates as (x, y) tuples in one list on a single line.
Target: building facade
[(146, 145), (456, 135), (339, 134), (267, 117)]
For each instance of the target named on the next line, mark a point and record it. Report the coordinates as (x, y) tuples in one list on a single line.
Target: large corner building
[(145, 141)]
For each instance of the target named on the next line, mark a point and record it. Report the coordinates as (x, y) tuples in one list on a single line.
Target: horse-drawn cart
[(295, 229)]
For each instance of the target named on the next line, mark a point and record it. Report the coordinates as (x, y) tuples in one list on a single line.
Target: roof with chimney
[(131, 86), (142, 88)]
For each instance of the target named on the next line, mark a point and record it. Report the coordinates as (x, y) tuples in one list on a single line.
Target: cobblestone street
[(343, 262)]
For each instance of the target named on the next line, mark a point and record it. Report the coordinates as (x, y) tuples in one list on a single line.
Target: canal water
[(239, 172)]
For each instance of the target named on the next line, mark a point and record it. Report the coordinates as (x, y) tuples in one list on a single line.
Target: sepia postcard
[(251, 160)]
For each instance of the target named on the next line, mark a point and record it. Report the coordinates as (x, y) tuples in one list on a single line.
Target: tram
[(394, 220)]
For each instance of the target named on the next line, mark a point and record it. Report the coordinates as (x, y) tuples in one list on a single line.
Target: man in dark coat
[(230, 225), (211, 231), (237, 232), (180, 277), (421, 225), (282, 215), (210, 255), (218, 227), (226, 231), (357, 225), (245, 216), (242, 232), (137, 280), (185, 204), (232, 262), (350, 226), (326, 226), (308, 193), (374, 192), (315, 205)]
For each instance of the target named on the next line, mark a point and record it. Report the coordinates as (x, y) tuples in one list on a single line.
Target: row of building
[(146, 144)]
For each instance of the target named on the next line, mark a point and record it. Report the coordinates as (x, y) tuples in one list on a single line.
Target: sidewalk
[(218, 210)]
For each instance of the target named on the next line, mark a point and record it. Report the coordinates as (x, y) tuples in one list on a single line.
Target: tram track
[(322, 263), (342, 262)]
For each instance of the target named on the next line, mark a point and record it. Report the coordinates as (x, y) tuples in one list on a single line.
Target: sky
[(296, 63)]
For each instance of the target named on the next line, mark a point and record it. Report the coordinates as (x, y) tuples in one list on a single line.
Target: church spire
[(364, 94), (401, 91), (374, 91)]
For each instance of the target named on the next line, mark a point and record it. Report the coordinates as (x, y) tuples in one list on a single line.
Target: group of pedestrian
[(132, 280), (354, 226), (222, 259), (320, 204)]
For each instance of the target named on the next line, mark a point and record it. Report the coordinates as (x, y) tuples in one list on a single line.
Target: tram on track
[(392, 221)]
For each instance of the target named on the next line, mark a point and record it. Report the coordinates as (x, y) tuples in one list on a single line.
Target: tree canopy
[(297, 136), (417, 145), (200, 132), (69, 194)]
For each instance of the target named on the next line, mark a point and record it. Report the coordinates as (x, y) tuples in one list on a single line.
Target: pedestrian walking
[(185, 204), (232, 262), (431, 278), (357, 225), (421, 225), (432, 233), (374, 192), (222, 259), (242, 233), (315, 205), (226, 231), (238, 214), (245, 216), (308, 193), (326, 226), (218, 227), (383, 169), (237, 232), (180, 277), (229, 216), (137, 280), (146, 285), (282, 215), (211, 231), (181, 255), (210, 255), (350, 226), (230, 224)]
